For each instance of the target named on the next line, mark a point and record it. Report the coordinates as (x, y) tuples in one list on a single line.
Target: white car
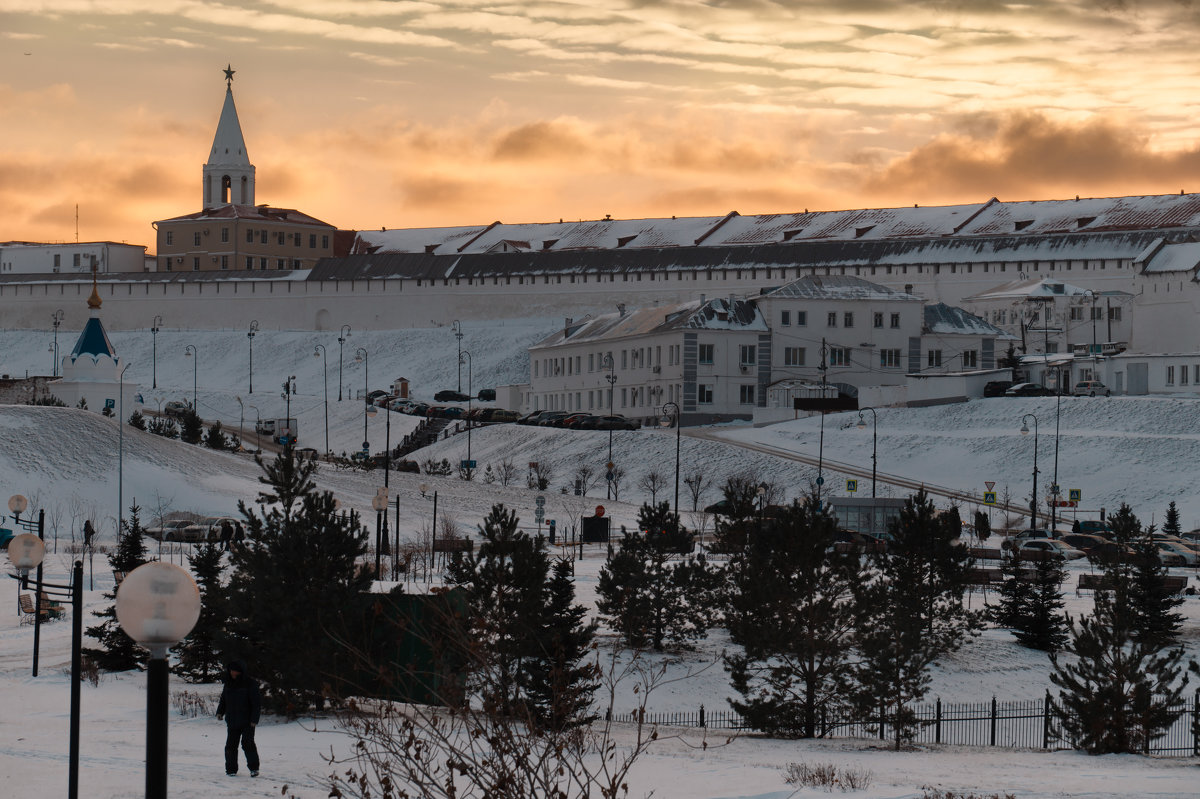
[(1190, 556), (1042, 548)]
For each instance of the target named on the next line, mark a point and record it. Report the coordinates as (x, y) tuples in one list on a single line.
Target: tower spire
[(228, 174)]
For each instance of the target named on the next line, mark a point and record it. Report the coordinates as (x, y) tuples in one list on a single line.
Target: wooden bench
[(1098, 582), (118, 576), (28, 611), (985, 553), (980, 576), (52, 607), (454, 545)]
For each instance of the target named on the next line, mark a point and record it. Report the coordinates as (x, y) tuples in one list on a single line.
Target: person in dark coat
[(226, 534), (240, 707), (89, 533)]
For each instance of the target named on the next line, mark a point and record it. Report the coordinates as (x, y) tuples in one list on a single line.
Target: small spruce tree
[(192, 428), (216, 438), (118, 651), (561, 682), (137, 420), (1031, 602), (1171, 525), (200, 653)]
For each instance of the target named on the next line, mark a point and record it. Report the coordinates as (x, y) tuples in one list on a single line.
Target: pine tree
[(740, 516), (164, 427), (792, 610), (191, 427), (560, 683), (200, 653), (296, 586), (118, 651), (137, 420), (1171, 525), (911, 613), (650, 597), (1140, 579), (215, 438), (1031, 603)]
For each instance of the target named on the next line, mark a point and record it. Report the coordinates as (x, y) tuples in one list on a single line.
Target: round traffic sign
[(820, 481), (599, 511), (609, 465)]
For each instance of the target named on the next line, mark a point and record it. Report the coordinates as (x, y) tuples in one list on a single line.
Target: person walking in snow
[(226, 534), (240, 707), (89, 533)]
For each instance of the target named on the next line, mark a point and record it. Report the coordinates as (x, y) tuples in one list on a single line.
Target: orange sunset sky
[(457, 112)]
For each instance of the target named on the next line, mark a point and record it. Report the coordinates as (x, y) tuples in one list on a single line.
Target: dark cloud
[(545, 139), (1025, 155)]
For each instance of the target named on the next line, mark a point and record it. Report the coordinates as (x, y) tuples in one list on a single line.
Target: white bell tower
[(228, 175)]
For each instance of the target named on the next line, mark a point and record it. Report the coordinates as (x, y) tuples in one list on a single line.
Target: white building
[(710, 357), (23, 257), (92, 372)]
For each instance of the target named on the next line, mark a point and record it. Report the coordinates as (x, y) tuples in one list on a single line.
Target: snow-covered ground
[(1137, 450)]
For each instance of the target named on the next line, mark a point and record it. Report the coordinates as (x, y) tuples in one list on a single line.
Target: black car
[(996, 388), (486, 395), (1028, 390), (450, 396)]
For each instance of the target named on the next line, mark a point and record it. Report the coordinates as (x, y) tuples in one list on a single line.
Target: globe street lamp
[(157, 606), (361, 356), (862, 424), (26, 551), (458, 334), (666, 421), (612, 381), (341, 340), (57, 319), (320, 350), (1032, 499), (155, 325), (250, 336), (190, 351)]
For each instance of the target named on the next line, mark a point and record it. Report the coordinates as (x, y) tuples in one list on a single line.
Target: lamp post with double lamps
[(320, 351), (157, 606), (56, 319), (361, 356), (190, 351), (26, 551), (345, 334), (155, 326), (611, 365), (666, 421), (458, 334), (250, 337), (1033, 498), (862, 424)]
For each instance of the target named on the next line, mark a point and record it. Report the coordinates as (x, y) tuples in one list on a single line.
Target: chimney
[(703, 300), (567, 323), (621, 308)]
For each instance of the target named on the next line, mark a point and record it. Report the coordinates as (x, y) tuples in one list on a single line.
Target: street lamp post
[(241, 423), (862, 423), (121, 448), (154, 328), (666, 421), (56, 318), (1054, 490), (424, 488), (157, 606), (27, 551), (458, 334), (320, 350), (257, 427), (470, 394), (612, 381), (250, 336), (345, 334), (289, 388), (361, 356), (1032, 499), (190, 351)]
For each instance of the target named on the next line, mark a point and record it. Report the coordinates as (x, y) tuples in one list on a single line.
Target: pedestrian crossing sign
[(989, 497), (851, 486), (1075, 494)]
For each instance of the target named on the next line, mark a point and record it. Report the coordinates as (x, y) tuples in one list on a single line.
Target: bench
[(28, 611), (52, 607), (1098, 582), (981, 576), (985, 553), (454, 545), (118, 576)]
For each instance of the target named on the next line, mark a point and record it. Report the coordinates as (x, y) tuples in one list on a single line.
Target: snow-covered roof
[(716, 314), (837, 287), (1165, 256), (943, 319), (93, 341), (1043, 289), (253, 213)]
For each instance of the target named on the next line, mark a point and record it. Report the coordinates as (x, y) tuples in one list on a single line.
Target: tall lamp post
[(190, 351), (361, 356), (1032, 499), (320, 350), (289, 388), (666, 421), (862, 424), (26, 551), (470, 395), (250, 337), (381, 544), (424, 488), (121, 449), (56, 319), (157, 606), (458, 334), (345, 334), (257, 427), (155, 325), (612, 382), (241, 423)]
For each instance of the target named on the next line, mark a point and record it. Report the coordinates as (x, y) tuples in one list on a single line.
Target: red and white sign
[(599, 511)]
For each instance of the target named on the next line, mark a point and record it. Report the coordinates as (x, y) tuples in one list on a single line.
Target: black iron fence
[(1030, 724)]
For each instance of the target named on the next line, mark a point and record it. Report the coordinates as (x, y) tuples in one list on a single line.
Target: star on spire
[(229, 70)]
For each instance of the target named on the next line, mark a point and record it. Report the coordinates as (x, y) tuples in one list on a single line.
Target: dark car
[(550, 418), (1028, 390), (450, 396), (407, 466), (374, 395), (996, 388), (486, 395), (1084, 543), (418, 409), (1094, 527), (615, 423)]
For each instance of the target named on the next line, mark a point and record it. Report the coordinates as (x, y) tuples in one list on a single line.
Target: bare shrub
[(827, 776)]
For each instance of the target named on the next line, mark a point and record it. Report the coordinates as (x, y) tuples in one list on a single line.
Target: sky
[(370, 114)]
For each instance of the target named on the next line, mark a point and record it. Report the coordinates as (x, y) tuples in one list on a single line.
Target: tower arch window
[(226, 189)]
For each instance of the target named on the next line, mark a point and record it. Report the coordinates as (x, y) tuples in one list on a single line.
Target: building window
[(591, 362), (624, 359), (970, 359), (249, 236), (839, 356), (747, 355), (295, 263), (706, 354), (848, 319), (801, 318), (312, 241), (262, 263), (75, 260), (224, 235), (281, 263), (935, 358), (195, 264), (624, 398), (878, 320), (224, 261), (1076, 314), (785, 318), (1114, 314), (249, 261), (58, 260), (1183, 375), (281, 238), (793, 356), (170, 238), (831, 319), (889, 359), (297, 240), (1170, 375), (325, 246), (196, 239), (895, 320), (746, 395), (704, 394), (167, 263), (262, 236), (1097, 313)]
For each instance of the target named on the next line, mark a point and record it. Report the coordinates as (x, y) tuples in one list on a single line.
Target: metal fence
[(1029, 724)]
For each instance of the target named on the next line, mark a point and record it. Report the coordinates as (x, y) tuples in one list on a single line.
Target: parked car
[(374, 395), (486, 395), (534, 418), (1042, 548), (1028, 390), (1023, 536), (401, 405), (572, 420), (863, 543), (384, 400), (1094, 527), (307, 453), (6, 535), (207, 529), (1083, 542), (175, 408), (418, 409), (1190, 556), (450, 396), (1090, 388), (451, 412), (1167, 556), (504, 415), (170, 530), (616, 423), (407, 466), (550, 418), (996, 388)]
